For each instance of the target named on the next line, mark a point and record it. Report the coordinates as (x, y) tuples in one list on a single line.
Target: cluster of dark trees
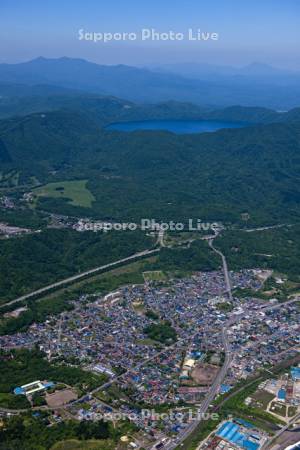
[(162, 332), (19, 367), (277, 249), (27, 433), (36, 260)]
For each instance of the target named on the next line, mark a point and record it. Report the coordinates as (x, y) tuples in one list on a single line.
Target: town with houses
[(162, 346)]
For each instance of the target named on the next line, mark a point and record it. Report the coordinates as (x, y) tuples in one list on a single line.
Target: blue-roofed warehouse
[(232, 433), (281, 394), (295, 373)]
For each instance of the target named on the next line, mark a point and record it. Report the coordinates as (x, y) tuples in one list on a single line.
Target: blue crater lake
[(175, 126)]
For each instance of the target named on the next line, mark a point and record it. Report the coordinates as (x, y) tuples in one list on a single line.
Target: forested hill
[(50, 138), (4, 156), (160, 174), (22, 100), (253, 115)]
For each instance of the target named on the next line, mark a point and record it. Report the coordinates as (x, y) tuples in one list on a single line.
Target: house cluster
[(8, 230), (7, 202), (265, 338), (109, 335)]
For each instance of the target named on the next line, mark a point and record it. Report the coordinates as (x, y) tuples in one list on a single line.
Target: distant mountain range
[(21, 100), (203, 71), (208, 86)]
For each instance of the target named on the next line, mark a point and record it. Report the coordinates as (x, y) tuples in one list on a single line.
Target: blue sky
[(249, 30)]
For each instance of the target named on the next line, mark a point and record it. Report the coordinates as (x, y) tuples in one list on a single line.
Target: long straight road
[(225, 268), (228, 359), (79, 276), (210, 395), (228, 353)]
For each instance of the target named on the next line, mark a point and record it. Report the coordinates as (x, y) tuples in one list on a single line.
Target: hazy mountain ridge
[(206, 71), (22, 100), (144, 85)]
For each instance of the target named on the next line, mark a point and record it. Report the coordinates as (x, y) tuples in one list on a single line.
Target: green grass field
[(292, 411), (278, 408), (154, 275), (76, 191), (92, 444), (11, 401), (263, 398)]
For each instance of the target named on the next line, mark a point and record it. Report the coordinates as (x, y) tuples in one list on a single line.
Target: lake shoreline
[(177, 126)]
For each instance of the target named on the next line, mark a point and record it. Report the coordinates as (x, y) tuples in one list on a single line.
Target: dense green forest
[(19, 367), (36, 260), (211, 176), (197, 257), (24, 218), (277, 249), (31, 433), (162, 332)]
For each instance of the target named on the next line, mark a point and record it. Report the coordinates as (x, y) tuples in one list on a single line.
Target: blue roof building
[(281, 394), (232, 433), (19, 391), (224, 388), (295, 373)]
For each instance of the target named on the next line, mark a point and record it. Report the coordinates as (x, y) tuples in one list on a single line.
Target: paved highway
[(279, 433), (77, 277), (225, 269), (222, 373)]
